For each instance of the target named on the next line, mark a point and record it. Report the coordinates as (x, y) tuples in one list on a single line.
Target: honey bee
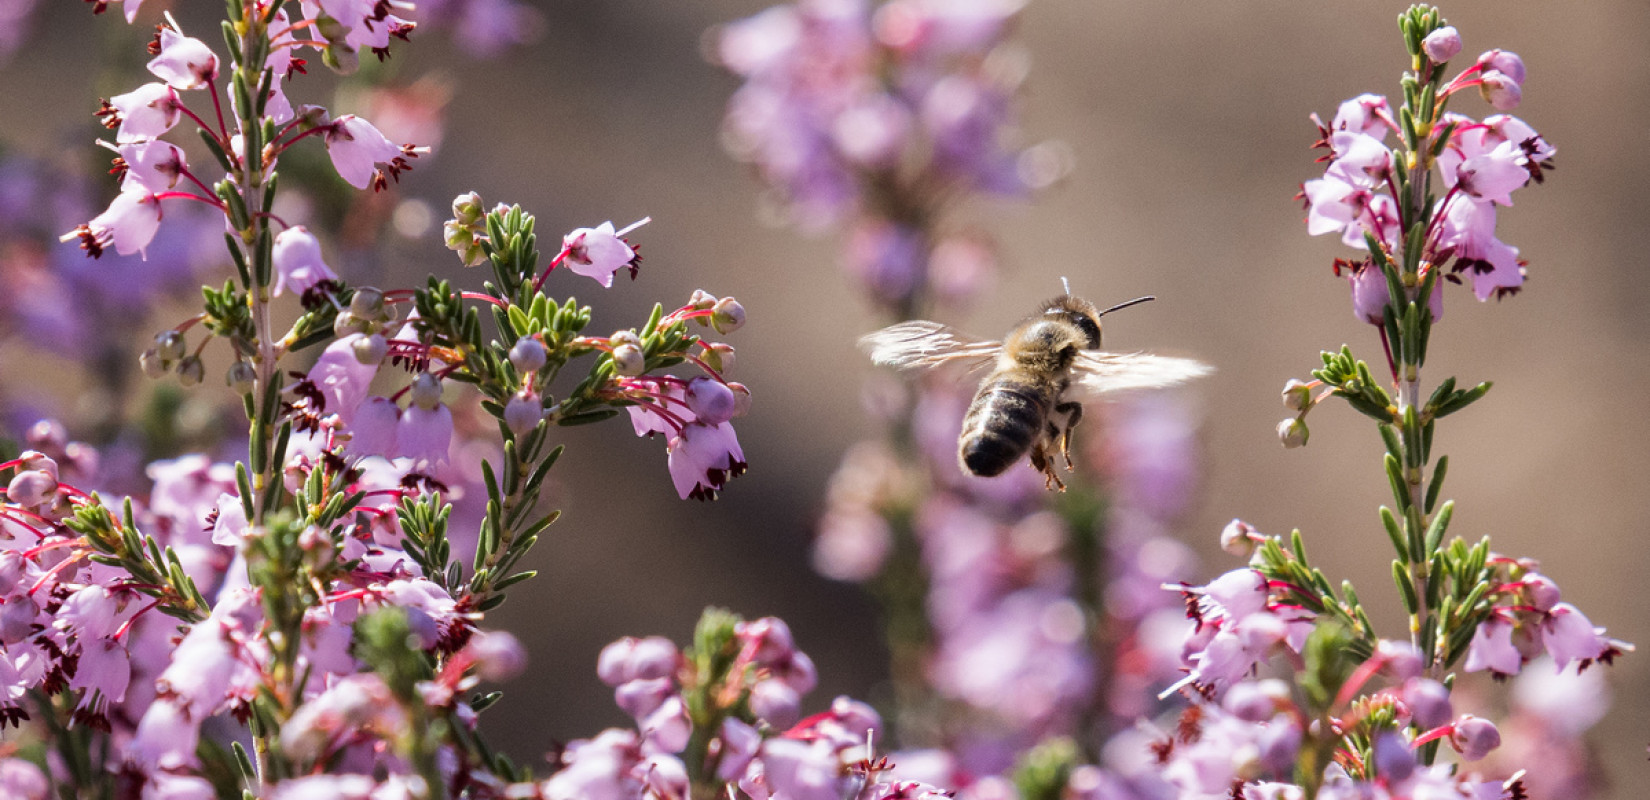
[(1044, 370)]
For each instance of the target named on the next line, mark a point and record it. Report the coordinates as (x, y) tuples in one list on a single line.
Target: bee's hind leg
[(1041, 462), (1073, 413)]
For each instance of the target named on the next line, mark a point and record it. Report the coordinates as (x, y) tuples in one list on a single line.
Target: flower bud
[(426, 391), (741, 398), (701, 300), (1393, 758), (523, 413), (1474, 737), (1508, 64), (370, 350), (719, 356), (710, 400), (346, 323), (47, 434), (17, 618), (528, 355), (240, 376), (367, 302), (1442, 45), (171, 345), (1501, 91), (1542, 591), (498, 655), (1401, 659), (467, 209), (1238, 538), (624, 337), (1293, 433), (31, 488), (152, 364), (1428, 702), (629, 360), (1297, 395), (728, 315), (191, 370)]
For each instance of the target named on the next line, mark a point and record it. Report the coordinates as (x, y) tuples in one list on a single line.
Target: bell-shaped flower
[(373, 431), (600, 251), (1569, 636), (298, 263), (129, 223), (423, 435), (1367, 114), (703, 459), (152, 165), (1467, 234), (184, 61), (1492, 176), (146, 112), (1492, 649), (356, 147)]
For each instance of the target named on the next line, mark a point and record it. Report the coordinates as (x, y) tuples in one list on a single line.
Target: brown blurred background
[(1188, 123)]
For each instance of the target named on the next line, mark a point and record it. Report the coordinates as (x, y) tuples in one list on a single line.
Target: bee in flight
[(1043, 371)]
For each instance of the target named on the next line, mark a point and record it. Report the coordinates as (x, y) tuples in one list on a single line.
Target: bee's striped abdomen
[(1006, 417)]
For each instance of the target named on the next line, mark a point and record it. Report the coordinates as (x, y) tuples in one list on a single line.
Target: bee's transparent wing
[(920, 344), (1097, 372)]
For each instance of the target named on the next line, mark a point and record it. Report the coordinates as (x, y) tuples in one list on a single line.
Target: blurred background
[(1188, 127)]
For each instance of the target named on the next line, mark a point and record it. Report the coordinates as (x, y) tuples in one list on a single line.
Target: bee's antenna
[(1135, 301), (1065, 283)]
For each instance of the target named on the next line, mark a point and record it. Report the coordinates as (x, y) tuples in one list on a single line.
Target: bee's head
[(1078, 312)]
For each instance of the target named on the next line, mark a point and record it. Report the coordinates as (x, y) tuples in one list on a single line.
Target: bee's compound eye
[(1090, 328)]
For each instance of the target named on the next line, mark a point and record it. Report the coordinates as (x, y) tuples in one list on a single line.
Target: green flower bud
[(629, 360), (1293, 433), (728, 315), (191, 370)]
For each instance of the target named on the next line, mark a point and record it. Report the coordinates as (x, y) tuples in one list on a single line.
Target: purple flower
[(184, 62), (152, 165), (146, 112), (703, 458), (356, 148), (1442, 44), (298, 263)]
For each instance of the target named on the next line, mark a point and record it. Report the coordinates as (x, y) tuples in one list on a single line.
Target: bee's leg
[(1074, 414), (1041, 462)]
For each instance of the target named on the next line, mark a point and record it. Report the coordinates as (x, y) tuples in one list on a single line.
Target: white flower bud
[(1237, 538), (701, 300), (1293, 433), (152, 364), (528, 355), (191, 370), (629, 360), (240, 376), (741, 398), (467, 209), (346, 323), (728, 315), (367, 302), (171, 346), (370, 350), (1297, 395), (426, 391), (719, 356)]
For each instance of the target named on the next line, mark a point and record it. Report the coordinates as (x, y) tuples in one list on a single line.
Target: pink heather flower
[(102, 673), (425, 435), (152, 165), (1367, 114), (666, 729), (600, 251), (129, 223), (184, 61), (22, 780), (230, 525), (1442, 44), (146, 112), (1492, 649), (1467, 234), (373, 431), (1569, 636), (166, 735), (1428, 702), (703, 459), (356, 147), (1492, 176), (89, 614), (326, 787), (1360, 159), (597, 769), (872, 132), (167, 786), (341, 378), (776, 703), (298, 263)]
